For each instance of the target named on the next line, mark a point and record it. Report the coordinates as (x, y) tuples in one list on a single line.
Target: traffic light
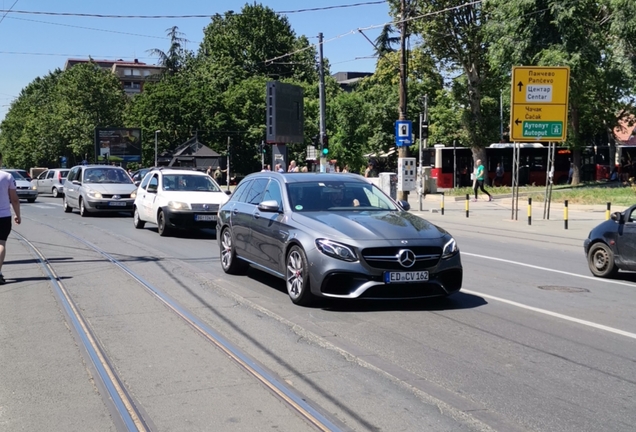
[(424, 130), (325, 146)]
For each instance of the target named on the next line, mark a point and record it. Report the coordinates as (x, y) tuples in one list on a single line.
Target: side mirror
[(228, 192), (270, 206), (405, 205), (617, 217), (137, 183)]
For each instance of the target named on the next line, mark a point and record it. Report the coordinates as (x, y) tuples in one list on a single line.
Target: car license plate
[(204, 218), (117, 203), (405, 277)]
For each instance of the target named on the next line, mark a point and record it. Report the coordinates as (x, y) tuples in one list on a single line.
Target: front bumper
[(108, 205), (188, 219), (27, 193), (339, 279)]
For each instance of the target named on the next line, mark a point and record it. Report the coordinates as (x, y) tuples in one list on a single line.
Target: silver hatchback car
[(51, 181), (98, 188)]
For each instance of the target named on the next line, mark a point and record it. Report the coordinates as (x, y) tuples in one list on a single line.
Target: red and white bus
[(452, 166)]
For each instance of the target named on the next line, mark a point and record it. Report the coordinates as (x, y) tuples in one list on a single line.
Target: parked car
[(25, 189), (335, 235), (52, 181), (98, 188), (611, 245), (177, 198)]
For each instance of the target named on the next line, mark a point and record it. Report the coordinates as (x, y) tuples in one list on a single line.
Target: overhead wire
[(7, 11), (88, 28), (89, 15), (350, 32)]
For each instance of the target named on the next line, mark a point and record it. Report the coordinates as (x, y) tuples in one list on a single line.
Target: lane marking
[(554, 314), (544, 311), (615, 282)]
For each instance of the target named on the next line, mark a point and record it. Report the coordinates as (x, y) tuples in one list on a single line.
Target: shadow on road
[(456, 301)]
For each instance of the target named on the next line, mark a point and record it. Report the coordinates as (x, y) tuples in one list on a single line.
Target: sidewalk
[(498, 214)]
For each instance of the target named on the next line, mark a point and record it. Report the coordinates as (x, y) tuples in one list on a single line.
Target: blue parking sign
[(403, 133)]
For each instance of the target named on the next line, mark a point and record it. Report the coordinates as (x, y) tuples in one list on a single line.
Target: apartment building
[(133, 75)]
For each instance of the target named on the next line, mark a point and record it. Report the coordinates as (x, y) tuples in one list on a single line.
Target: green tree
[(175, 58), (455, 38), (86, 97), (28, 132), (586, 35), (250, 39)]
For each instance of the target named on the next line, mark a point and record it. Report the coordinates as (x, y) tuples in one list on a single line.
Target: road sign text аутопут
[(539, 103)]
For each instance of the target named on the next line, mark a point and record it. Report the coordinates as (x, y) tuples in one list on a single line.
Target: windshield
[(106, 175), (17, 176), (337, 196), (189, 183)]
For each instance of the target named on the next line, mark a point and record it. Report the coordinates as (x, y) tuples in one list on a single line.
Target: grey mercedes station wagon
[(335, 235)]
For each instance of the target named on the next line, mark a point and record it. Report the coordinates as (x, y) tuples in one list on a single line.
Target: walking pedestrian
[(479, 180), (8, 198)]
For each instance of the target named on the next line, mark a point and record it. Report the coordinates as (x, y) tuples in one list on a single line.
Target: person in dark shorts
[(8, 198)]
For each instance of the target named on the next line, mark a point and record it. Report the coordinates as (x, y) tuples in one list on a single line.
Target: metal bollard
[(442, 204), (565, 214), (608, 211), (529, 211), (467, 201)]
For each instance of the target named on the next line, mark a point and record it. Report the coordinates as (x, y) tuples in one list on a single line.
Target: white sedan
[(177, 198)]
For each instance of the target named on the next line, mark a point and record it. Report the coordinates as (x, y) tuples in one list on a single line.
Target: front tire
[(31, 200), (82, 208), (162, 228), (55, 193), (230, 263), (600, 259), (297, 277), (139, 224), (67, 208)]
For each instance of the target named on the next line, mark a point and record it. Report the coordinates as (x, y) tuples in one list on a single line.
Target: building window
[(147, 73), (136, 72), (129, 85), (128, 72)]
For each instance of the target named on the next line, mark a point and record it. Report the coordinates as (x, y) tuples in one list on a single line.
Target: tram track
[(119, 399)]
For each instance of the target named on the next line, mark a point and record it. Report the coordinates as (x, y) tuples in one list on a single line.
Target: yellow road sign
[(539, 103)]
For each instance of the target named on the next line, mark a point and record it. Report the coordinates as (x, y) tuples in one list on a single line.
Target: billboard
[(285, 113), (117, 145)]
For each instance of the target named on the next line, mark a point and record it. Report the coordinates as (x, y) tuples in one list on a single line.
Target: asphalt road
[(532, 343)]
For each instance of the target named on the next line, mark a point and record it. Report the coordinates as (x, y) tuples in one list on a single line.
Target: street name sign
[(539, 103)]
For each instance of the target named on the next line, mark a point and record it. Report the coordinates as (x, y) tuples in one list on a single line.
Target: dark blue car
[(611, 246)]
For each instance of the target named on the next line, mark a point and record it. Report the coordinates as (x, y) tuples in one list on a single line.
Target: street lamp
[(156, 132)]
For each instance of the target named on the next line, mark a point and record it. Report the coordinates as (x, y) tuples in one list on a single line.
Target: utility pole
[(321, 92), (404, 150), (423, 144), (156, 154)]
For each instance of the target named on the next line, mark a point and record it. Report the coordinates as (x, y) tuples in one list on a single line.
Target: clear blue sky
[(32, 45)]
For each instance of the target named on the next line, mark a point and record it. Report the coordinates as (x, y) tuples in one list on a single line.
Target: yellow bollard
[(608, 211), (467, 201)]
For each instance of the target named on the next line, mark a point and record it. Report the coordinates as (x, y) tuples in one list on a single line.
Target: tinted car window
[(64, 173), (240, 192), (154, 183), (337, 195), (73, 174), (273, 193), (106, 175), (144, 183), (255, 193), (50, 175), (43, 175)]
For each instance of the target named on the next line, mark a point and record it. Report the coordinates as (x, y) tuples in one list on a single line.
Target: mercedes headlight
[(177, 205), (336, 250), (450, 248), (94, 194)]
